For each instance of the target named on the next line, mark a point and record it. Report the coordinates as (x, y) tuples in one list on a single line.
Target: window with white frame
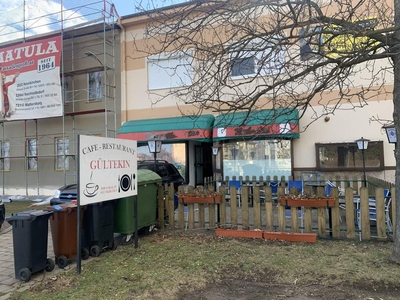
[(62, 151), (31, 154), (170, 70), (4, 155), (258, 57), (95, 87)]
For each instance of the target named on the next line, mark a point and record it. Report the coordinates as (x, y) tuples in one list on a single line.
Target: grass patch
[(167, 264)]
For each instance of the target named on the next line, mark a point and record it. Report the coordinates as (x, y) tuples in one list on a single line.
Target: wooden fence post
[(335, 214), (245, 207), (222, 210), (269, 213), (380, 212), (364, 208), (281, 210), (349, 205)]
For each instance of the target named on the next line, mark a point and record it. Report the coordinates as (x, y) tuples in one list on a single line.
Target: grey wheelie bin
[(98, 227), (30, 236), (124, 223)]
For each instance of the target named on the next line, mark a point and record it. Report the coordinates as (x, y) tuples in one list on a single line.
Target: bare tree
[(268, 54)]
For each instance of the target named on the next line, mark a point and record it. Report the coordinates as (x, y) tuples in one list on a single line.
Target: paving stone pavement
[(8, 283)]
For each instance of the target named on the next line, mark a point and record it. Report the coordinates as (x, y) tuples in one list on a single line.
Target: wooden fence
[(261, 209)]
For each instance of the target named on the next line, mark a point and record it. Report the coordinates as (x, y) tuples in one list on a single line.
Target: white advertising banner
[(30, 80), (107, 169)]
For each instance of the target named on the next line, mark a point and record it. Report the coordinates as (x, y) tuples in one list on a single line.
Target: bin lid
[(28, 215), (66, 207), (145, 176)]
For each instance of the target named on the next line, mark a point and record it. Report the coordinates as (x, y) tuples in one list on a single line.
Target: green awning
[(271, 123), (175, 129)]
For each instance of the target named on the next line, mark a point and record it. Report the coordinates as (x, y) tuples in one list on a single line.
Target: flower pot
[(308, 202), (290, 236), (201, 199), (239, 233)]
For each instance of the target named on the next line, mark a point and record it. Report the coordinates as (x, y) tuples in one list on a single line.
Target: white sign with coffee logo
[(107, 169)]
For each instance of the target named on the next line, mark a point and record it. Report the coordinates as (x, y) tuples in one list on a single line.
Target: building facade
[(264, 143)]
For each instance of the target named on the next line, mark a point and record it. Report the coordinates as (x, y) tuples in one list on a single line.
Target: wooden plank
[(190, 215), (202, 216), (321, 221), (245, 207), (294, 218), (181, 216), (269, 213), (257, 207), (211, 215), (222, 210), (335, 211), (233, 204), (349, 205), (307, 219), (364, 207), (380, 212), (281, 210), (170, 205)]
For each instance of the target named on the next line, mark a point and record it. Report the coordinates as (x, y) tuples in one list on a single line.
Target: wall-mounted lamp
[(154, 147), (391, 133), (215, 150)]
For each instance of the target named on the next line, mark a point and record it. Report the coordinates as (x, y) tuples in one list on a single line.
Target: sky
[(127, 7), (43, 16)]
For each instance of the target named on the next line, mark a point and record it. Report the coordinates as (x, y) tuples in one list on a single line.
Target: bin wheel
[(113, 244), (25, 274), (95, 251), (126, 240), (62, 261), (49, 265), (85, 253)]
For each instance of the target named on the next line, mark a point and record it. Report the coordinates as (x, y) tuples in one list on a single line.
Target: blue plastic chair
[(298, 184), (238, 185)]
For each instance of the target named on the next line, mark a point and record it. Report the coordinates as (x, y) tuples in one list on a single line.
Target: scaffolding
[(38, 155)]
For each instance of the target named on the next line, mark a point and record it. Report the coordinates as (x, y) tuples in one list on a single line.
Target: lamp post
[(362, 145), (215, 150), (154, 147)]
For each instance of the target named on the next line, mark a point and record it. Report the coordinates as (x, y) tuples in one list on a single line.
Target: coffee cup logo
[(91, 189)]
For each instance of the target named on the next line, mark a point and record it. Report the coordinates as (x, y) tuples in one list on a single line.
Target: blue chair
[(298, 184), (238, 185), (274, 187)]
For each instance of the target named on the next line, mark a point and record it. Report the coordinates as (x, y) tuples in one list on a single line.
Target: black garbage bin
[(98, 227), (30, 235)]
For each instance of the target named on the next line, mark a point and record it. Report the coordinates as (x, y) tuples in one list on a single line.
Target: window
[(257, 158), (347, 157), (95, 87), (310, 43), (62, 150), (259, 57), (4, 155), (167, 71), (31, 154)]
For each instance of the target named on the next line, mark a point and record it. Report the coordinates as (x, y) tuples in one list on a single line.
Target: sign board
[(30, 80), (107, 169)]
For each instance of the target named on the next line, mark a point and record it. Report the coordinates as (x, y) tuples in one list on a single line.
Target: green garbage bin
[(124, 222)]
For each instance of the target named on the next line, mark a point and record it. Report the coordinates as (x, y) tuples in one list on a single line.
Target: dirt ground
[(250, 290)]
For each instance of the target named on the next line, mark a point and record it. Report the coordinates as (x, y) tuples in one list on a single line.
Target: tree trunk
[(396, 120)]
